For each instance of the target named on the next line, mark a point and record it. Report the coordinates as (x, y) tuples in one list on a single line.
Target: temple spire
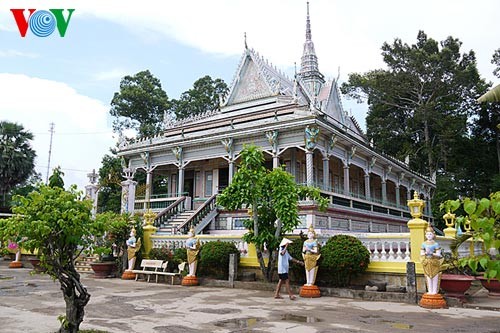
[(309, 71)]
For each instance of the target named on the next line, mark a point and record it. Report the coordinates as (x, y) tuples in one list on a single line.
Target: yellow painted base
[(190, 281), (310, 291), (128, 275), (16, 264), (433, 301)]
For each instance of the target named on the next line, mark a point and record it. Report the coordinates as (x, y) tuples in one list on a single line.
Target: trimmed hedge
[(214, 259), (342, 258)]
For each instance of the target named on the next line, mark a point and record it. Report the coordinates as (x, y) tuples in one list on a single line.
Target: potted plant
[(481, 220), (110, 249), (455, 280)]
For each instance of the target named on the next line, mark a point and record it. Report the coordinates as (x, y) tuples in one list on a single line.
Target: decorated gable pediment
[(250, 84)]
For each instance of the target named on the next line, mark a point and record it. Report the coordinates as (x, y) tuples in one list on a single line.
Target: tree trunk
[(498, 146), (262, 265), (76, 298), (428, 147)]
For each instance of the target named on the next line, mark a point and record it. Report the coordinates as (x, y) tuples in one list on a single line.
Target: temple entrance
[(189, 184), (223, 179)]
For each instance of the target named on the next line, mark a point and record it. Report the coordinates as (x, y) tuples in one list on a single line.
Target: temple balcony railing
[(389, 252), (157, 202), (360, 202)]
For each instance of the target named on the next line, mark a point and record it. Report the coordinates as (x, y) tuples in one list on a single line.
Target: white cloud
[(347, 34), (113, 74), (15, 53), (81, 135)]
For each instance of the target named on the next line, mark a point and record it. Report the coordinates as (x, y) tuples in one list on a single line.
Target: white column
[(276, 161), (231, 171), (398, 199), (326, 173), (180, 187), (91, 192), (367, 185), (149, 185), (346, 180), (128, 196), (309, 168), (384, 191), (293, 162)]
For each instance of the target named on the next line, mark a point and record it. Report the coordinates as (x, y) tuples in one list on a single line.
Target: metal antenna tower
[(51, 130)]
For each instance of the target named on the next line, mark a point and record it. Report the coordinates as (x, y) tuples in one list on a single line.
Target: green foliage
[(109, 198), (140, 104), (342, 258), (56, 180), (180, 255), (57, 224), (484, 218), (272, 200), (164, 253), (495, 60), (204, 96), (17, 157), (214, 259), (420, 107)]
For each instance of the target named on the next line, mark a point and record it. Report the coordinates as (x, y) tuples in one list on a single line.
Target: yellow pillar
[(149, 230), (417, 229), (251, 259), (417, 237)]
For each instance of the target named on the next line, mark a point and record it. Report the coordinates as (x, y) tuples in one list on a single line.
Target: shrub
[(180, 255), (214, 259), (165, 254), (342, 257)]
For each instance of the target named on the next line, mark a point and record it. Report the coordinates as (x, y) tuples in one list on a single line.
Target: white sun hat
[(285, 241)]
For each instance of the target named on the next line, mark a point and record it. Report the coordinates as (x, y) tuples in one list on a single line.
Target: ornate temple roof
[(256, 81)]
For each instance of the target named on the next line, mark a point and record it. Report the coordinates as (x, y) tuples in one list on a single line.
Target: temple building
[(300, 124)]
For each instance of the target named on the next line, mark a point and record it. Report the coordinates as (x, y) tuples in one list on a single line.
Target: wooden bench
[(149, 267), (172, 275)]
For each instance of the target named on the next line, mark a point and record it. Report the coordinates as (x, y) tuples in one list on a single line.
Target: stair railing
[(173, 209), (198, 215)]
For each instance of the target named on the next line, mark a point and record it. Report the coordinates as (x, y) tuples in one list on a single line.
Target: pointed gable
[(248, 83), (256, 78)]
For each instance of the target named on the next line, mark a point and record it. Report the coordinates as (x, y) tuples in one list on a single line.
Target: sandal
[(278, 297), (292, 297)]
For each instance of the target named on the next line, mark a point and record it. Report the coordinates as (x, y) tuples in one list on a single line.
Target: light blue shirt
[(283, 260)]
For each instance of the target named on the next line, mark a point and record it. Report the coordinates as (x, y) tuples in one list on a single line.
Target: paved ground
[(31, 303)]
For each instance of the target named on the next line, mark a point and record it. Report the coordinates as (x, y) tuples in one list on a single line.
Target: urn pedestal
[(16, 264), (128, 275), (435, 301), (189, 281), (310, 291)]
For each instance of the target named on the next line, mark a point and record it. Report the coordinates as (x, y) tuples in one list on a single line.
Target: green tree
[(109, 199), (204, 96), (496, 61), (58, 225), (56, 180), (271, 198), (31, 184), (140, 104), (17, 157), (420, 105)]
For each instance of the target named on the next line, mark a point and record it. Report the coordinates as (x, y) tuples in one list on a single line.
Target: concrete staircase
[(82, 264), (170, 226)]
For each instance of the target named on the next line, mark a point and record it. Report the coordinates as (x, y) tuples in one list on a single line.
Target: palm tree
[(17, 157)]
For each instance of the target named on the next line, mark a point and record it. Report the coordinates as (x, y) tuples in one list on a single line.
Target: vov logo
[(42, 23)]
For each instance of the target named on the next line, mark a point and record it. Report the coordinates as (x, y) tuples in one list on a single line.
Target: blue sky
[(70, 81)]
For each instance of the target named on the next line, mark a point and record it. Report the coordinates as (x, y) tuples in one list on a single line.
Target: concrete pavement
[(31, 303)]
